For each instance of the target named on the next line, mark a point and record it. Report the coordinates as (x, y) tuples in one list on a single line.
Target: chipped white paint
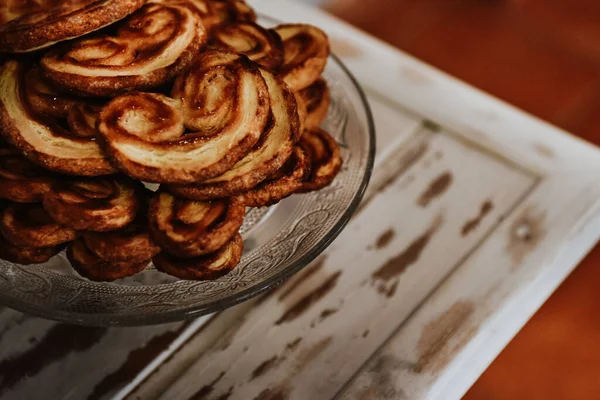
[(464, 232)]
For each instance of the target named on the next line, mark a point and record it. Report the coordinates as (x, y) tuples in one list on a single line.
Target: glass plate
[(278, 242)]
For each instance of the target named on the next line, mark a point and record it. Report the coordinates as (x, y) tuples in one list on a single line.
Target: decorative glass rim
[(240, 297)]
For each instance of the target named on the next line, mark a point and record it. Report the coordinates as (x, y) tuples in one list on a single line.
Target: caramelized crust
[(20, 180), (284, 183), (132, 243), (42, 140), (42, 23), (88, 265), (215, 13), (316, 99), (26, 255), (325, 158), (28, 225), (305, 50), (257, 43), (43, 99), (188, 229), (208, 267), (224, 104), (82, 119), (150, 48), (267, 156), (98, 205)]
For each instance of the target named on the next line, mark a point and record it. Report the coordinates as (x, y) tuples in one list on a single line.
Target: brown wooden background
[(544, 57)]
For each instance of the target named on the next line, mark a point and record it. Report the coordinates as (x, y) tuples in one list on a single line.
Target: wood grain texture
[(285, 345), (73, 362)]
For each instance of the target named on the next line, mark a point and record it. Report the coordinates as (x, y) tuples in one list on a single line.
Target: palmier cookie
[(43, 141), (223, 101), (305, 52), (150, 48), (325, 158), (98, 205), (29, 225), (187, 229), (94, 268), (49, 22), (132, 243), (285, 182), (259, 44), (215, 13), (44, 99), (12, 9), (316, 99), (267, 156), (208, 267), (26, 255), (20, 180)]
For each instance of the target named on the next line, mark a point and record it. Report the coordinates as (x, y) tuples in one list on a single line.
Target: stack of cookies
[(99, 98)]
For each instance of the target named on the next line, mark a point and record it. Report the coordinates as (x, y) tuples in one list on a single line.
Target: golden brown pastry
[(224, 103), (94, 268), (325, 158), (259, 44), (305, 51), (42, 23), (12, 9), (45, 100), (20, 180), (208, 267), (150, 48), (29, 225), (82, 119), (228, 11), (43, 140), (187, 229), (26, 255), (215, 13), (98, 205), (316, 99), (132, 243), (302, 112), (287, 181), (267, 156)]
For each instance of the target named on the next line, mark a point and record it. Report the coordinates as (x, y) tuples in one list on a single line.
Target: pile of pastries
[(101, 100)]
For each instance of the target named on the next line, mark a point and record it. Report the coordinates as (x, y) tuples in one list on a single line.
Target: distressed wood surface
[(74, 362), (475, 213), (363, 287)]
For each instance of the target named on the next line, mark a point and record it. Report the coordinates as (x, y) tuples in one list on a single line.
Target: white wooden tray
[(475, 214)]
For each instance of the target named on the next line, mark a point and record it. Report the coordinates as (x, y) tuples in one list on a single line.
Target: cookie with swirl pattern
[(99, 205), (207, 267), (26, 255), (261, 45), (268, 155), (284, 183), (316, 100), (39, 24), (215, 115), (216, 13), (325, 159), (26, 123), (305, 52), (149, 49), (186, 228), (94, 268), (29, 225), (132, 243), (20, 180)]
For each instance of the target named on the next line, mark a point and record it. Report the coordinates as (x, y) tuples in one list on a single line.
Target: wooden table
[(476, 212)]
